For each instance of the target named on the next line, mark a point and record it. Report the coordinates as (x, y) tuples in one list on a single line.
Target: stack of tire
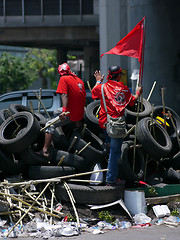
[(148, 148), (20, 143), (152, 150)]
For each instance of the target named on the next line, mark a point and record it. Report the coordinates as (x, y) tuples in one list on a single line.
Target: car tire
[(131, 112), (125, 163), (15, 108), (4, 114), (9, 165), (90, 117), (89, 194), (60, 140), (45, 172), (95, 152), (25, 136), (72, 160), (157, 146)]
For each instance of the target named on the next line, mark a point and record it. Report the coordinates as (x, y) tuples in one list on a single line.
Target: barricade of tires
[(152, 146)]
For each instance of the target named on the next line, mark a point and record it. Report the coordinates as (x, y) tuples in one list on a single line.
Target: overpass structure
[(64, 25)]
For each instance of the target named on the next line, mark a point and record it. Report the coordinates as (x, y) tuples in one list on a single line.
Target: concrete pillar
[(161, 61), (91, 57), (161, 55), (112, 25)]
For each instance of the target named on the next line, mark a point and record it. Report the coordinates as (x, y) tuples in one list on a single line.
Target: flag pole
[(142, 54)]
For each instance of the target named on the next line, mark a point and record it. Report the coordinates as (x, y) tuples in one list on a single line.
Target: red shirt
[(117, 97), (74, 88)]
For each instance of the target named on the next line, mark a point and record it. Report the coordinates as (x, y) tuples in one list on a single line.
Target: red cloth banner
[(132, 45)]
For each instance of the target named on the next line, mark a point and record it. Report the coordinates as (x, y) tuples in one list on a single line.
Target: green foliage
[(44, 64), (152, 191), (70, 218), (18, 73), (175, 212), (14, 75), (106, 216)]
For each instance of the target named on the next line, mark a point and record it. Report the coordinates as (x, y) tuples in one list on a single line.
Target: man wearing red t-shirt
[(117, 97), (73, 96)]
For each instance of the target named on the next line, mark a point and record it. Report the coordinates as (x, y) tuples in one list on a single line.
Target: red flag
[(131, 45)]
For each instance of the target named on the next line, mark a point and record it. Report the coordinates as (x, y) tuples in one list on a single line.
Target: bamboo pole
[(83, 180), (42, 104), (163, 103), (80, 151), (40, 95), (98, 110), (52, 201), (57, 179), (61, 160), (174, 126), (56, 120), (31, 106), (152, 89), (72, 202), (31, 206), (89, 86), (72, 143)]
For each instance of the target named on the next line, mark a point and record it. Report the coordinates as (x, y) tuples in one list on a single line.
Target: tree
[(17, 73), (44, 64), (14, 74)]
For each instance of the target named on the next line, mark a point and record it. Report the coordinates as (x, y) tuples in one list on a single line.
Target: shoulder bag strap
[(102, 92)]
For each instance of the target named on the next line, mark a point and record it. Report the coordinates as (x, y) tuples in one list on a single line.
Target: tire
[(158, 111), (4, 114), (41, 119), (90, 117), (15, 108), (126, 163), (88, 194), (30, 157), (131, 112), (25, 136), (72, 160), (95, 152), (8, 165), (43, 172), (60, 140), (160, 145), (175, 161)]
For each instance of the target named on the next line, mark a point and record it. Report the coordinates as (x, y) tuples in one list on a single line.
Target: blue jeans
[(114, 155)]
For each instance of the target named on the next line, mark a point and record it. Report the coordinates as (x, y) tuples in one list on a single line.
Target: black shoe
[(117, 183)]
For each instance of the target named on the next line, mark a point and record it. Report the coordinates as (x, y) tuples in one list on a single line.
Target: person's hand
[(139, 89), (98, 76), (62, 116)]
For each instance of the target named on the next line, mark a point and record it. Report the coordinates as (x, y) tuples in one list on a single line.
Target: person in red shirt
[(73, 96), (117, 97)]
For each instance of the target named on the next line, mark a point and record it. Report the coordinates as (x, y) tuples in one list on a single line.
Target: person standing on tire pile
[(117, 97), (73, 96)]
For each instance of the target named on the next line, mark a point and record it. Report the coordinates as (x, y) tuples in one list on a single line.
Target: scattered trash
[(97, 231), (141, 218), (161, 210), (98, 176)]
